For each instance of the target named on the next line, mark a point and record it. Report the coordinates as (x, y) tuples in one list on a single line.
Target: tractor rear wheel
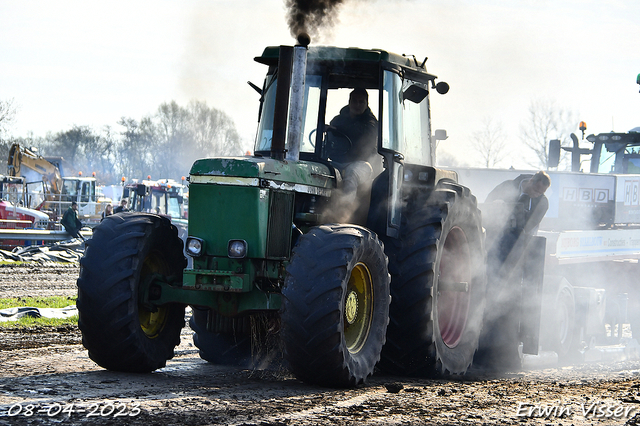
[(119, 331), (335, 305), (438, 286)]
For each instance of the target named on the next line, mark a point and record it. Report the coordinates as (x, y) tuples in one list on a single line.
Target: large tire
[(501, 335), (633, 310), (435, 324), (232, 348), (558, 329), (335, 305), (119, 332)]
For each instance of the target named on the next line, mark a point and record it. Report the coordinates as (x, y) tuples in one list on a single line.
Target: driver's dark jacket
[(510, 191), (363, 132)]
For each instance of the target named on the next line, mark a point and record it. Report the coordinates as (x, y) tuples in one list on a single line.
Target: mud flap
[(533, 273)]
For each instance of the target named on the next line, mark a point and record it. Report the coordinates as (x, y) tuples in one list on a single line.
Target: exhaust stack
[(296, 102), (281, 107)]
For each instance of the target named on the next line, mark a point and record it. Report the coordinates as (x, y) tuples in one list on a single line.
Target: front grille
[(279, 228)]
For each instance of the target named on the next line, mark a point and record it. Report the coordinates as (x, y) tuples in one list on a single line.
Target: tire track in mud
[(189, 391), (37, 280)]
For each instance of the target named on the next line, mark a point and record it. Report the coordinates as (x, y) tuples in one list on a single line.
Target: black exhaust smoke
[(311, 15)]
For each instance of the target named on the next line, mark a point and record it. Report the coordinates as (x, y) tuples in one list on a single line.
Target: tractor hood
[(227, 169)]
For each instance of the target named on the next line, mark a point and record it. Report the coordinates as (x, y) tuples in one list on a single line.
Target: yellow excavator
[(49, 191)]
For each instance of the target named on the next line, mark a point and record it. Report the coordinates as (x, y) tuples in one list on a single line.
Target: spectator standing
[(70, 221)]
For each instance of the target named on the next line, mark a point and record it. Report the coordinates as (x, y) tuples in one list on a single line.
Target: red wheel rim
[(453, 296)]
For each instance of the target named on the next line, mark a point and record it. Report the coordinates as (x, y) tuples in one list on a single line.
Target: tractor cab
[(163, 197), (615, 152), (398, 127), (611, 152)]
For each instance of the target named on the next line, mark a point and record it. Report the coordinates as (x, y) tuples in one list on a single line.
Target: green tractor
[(391, 275)]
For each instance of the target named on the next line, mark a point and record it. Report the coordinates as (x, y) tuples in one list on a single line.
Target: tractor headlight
[(237, 249), (194, 246)]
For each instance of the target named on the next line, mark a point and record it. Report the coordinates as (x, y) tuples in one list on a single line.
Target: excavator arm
[(22, 157)]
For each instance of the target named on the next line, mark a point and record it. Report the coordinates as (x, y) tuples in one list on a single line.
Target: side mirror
[(141, 190), (442, 87), (554, 153), (440, 135), (415, 94)]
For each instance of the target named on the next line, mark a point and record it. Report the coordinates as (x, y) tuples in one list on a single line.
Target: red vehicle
[(13, 214)]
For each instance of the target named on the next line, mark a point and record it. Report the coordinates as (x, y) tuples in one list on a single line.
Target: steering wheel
[(312, 139), (337, 142)]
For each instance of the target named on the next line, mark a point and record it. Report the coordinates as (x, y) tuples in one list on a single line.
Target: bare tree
[(135, 149), (546, 121), (83, 150), (490, 142), (214, 133), (188, 133), (162, 145), (175, 141), (7, 114)]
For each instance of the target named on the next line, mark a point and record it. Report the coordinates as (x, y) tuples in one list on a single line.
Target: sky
[(73, 62)]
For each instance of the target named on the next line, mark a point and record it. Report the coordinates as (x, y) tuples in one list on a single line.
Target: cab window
[(406, 126)]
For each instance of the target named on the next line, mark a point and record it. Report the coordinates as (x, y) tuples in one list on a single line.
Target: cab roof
[(328, 54), (630, 138)]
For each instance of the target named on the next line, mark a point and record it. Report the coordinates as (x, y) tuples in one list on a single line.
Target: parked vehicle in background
[(14, 214), (165, 197), (592, 229), (51, 192)]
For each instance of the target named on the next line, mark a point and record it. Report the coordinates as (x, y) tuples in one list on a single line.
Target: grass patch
[(13, 262), (38, 302), (26, 322)]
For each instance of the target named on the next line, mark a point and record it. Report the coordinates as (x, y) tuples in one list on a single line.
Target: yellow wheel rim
[(358, 308), (152, 322)]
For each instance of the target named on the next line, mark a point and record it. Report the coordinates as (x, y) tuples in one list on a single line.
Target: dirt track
[(46, 377), (34, 280)]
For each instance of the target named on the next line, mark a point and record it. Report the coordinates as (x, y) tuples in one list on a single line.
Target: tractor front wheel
[(121, 332), (335, 305)]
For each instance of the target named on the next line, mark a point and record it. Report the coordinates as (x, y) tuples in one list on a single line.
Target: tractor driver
[(356, 155), (528, 190)]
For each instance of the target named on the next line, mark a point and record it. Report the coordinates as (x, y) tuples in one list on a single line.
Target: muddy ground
[(46, 377)]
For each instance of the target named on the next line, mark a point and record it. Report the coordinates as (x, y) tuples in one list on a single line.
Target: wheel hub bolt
[(351, 307)]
